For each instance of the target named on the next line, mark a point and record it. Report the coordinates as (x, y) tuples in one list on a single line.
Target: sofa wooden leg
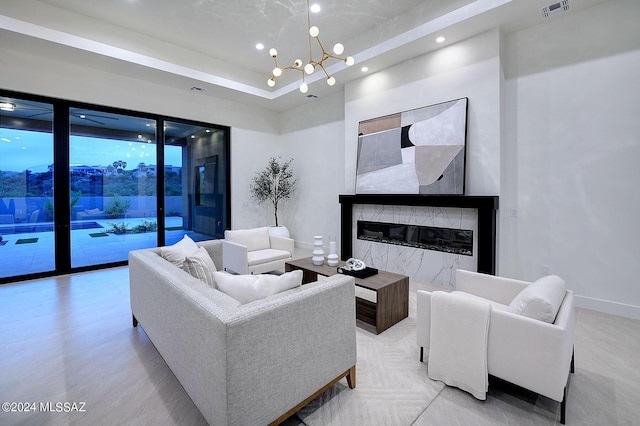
[(573, 356), (421, 353), (563, 406), (135, 321), (351, 377)]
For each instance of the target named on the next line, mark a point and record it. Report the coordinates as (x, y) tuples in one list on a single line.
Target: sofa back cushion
[(541, 299), (253, 239), (247, 288)]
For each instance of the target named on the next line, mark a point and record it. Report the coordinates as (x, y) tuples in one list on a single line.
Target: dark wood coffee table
[(392, 294)]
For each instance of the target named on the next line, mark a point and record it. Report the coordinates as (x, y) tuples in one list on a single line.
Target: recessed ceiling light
[(315, 8), (364, 69), (440, 39), (259, 46)]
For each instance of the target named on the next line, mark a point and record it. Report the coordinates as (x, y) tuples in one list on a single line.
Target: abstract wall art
[(421, 151)]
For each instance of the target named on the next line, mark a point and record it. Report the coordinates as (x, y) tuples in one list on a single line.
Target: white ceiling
[(210, 44)]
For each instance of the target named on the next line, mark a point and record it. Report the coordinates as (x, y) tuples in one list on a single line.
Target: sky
[(24, 150)]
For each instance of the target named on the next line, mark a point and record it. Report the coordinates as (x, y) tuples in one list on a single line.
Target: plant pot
[(279, 231)]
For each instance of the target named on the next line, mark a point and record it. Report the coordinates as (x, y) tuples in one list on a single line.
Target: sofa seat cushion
[(541, 299), (259, 257), (253, 239), (494, 305), (247, 288)]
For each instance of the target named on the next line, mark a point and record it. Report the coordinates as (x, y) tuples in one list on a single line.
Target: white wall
[(571, 154), (313, 135), (469, 69)]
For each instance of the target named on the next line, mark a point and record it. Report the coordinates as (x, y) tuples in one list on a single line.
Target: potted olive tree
[(274, 184)]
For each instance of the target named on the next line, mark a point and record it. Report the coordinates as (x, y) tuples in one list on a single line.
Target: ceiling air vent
[(555, 8)]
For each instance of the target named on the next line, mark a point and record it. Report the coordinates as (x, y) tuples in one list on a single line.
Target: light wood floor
[(69, 339)]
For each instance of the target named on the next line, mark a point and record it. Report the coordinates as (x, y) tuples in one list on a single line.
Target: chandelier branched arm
[(309, 68)]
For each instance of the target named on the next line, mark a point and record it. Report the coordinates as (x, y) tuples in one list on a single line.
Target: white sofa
[(255, 251), (531, 353), (251, 364)]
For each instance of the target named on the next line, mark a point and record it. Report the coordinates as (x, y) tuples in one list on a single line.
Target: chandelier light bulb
[(309, 68)]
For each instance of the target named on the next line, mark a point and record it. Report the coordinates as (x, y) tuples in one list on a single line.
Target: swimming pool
[(44, 227)]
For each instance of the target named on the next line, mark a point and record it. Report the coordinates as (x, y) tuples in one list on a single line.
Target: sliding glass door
[(109, 166), (113, 180), (195, 174), (26, 187)]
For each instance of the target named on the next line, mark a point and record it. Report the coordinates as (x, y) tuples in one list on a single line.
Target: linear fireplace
[(448, 240), (465, 212)]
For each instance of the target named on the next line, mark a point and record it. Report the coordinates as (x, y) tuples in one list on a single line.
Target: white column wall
[(313, 135), (572, 151)]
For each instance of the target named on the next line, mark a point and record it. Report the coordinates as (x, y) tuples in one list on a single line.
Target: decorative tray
[(363, 273)]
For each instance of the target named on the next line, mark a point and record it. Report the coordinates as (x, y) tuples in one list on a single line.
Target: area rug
[(27, 241), (392, 386), (98, 234)]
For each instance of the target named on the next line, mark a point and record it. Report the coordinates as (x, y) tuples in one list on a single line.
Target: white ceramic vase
[(332, 258), (318, 252)]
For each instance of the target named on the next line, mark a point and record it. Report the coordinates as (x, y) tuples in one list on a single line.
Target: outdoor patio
[(33, 252)]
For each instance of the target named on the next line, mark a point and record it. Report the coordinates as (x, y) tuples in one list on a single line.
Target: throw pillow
[(179, 251), (201, 266), (541, 299), (247, 288)]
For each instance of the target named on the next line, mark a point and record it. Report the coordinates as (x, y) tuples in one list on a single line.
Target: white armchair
[(536, 354), (254, 251)]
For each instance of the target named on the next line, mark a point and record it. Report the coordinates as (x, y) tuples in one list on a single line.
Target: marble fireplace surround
[(485, 229)]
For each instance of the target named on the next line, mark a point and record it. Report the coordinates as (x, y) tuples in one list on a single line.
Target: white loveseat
[(245, 364), (255, 251), (532, 353)]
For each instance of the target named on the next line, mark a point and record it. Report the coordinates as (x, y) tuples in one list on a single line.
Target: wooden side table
[(392, 294)]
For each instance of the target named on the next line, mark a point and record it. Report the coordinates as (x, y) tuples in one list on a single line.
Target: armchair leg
[(421, 353), (563, 406), (135, 321), (573, 355)]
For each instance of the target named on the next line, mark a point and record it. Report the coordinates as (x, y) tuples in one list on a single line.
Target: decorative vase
[(332, 259), (318, 252)]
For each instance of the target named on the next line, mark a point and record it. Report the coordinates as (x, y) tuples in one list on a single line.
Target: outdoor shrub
[(116, 207), (118, 228)]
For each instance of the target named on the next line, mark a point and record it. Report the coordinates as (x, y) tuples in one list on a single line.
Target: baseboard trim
[(608, 307)]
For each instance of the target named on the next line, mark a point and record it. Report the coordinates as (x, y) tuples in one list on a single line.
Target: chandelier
[(311, 66)]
